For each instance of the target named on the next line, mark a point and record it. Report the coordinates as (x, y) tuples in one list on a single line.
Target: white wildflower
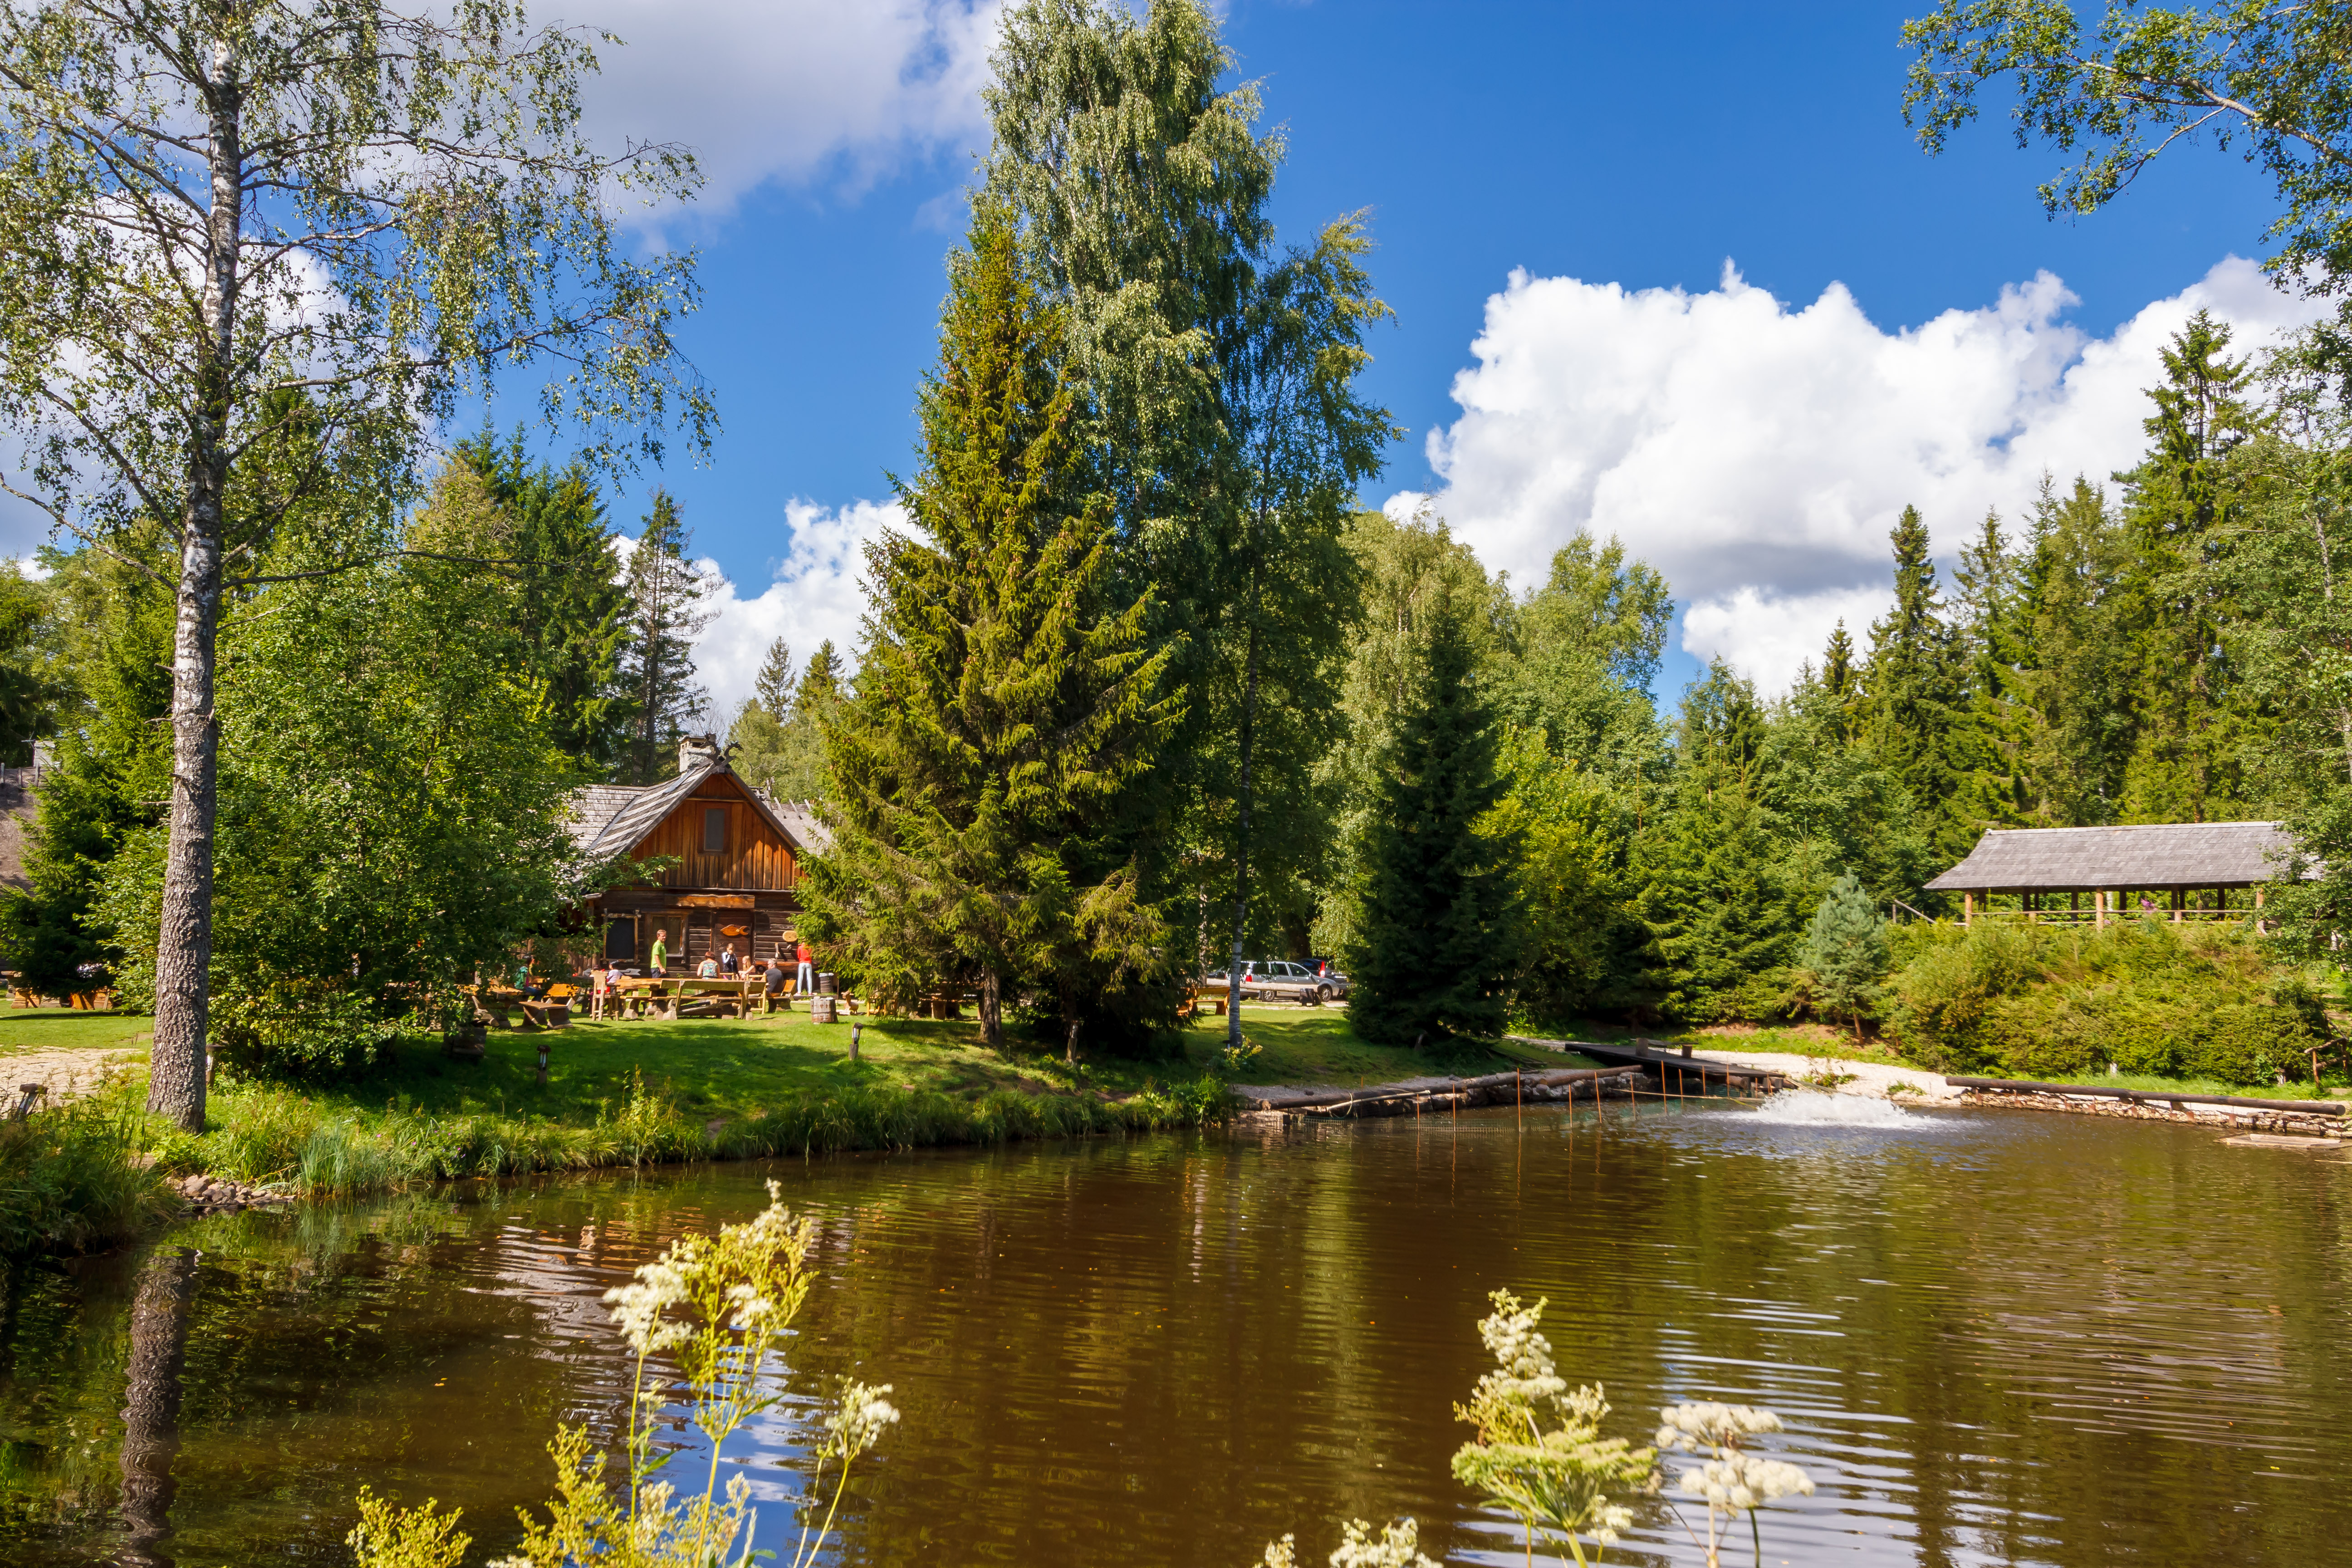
[(857, 1424), (1282, 1553), (1395, 1549), (1692, 1427)]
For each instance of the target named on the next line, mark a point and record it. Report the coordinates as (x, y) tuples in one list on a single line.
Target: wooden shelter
[(737, 856), (2160, 866)]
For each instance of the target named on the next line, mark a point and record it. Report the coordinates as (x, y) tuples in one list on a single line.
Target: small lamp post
[(855, 1030), (542, 1061)]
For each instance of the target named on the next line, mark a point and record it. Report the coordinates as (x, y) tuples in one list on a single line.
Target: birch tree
[(226, 216)]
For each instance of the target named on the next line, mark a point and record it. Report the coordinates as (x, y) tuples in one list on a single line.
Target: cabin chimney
[(694, 748)]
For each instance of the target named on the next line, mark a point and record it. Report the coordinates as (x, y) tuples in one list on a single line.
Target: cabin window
[(714, 830)]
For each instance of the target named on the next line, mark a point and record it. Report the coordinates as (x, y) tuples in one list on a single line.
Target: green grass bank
[(622, 1093)]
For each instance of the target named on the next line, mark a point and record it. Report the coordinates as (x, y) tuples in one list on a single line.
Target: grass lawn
[(66, 1029)]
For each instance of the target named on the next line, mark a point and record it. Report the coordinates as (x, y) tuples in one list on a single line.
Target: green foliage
[(389, 818), (391, 1537), (1845, 951), (1008, 697), (110, 763), (2125, 85), (2015, 1000), (70, 1181), (778, 739), (1443, 923), (550, 539)]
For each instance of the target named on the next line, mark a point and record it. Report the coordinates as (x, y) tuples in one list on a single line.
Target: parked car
[(1326, 972), (1265, 979)]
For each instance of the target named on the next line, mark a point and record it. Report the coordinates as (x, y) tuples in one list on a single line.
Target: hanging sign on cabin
[(734, 931), (715, 900)]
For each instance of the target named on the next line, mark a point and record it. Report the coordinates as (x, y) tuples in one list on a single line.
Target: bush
[(2147, 997)]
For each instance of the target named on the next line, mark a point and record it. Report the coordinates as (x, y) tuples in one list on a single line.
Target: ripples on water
[(1995, 1337)]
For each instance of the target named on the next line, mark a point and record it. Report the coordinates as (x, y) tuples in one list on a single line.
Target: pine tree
[(1443, 921), (1913, 686), (667, 590), (2074, 669), (1845, 951), (1006, 695)]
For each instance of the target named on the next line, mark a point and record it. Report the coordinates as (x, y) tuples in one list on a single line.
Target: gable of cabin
[(719, 838)]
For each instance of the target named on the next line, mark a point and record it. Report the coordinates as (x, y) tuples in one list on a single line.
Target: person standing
[(805, 981), (728, 966), (660, 954)]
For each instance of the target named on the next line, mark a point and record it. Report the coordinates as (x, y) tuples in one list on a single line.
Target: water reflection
[(1995, 1337)]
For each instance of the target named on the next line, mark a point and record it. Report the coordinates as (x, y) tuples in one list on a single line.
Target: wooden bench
[(1197, 998)]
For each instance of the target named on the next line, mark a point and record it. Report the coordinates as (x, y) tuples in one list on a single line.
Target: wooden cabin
[(737, 853), (2185, 869)]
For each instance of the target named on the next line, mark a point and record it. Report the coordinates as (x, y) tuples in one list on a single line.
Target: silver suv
[(1266, 978)]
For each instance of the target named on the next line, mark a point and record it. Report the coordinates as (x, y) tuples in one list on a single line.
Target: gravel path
[(69, 1074)]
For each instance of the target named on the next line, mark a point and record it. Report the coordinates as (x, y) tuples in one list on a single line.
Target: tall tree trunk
[(151, 1409), (183, 949), (991, 1009), (1242, 829)]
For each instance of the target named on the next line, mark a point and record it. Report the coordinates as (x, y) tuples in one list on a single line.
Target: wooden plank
[(714, 901)]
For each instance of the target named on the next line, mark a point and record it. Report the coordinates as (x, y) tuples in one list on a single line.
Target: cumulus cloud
[(812, 595), (1757, 454), (794, 90)]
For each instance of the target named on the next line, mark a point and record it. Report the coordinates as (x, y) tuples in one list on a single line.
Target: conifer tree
[(1913, 684), (667, 590), (1846, 950), (1990, 736), (2190, 726), (1442, 921), (1007, 696), (773, 687), (570, 607), (1838, 679)]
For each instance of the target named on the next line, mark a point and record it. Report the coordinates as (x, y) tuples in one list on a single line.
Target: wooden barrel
[(823, 1010)]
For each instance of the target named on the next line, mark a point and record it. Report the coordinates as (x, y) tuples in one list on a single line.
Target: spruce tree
[(1913, 686), (1442, 916), (667, 590), (1991, 737), (1845, 951), (2191, 727), (772, 688), (554, 545), (1839, 681), (1006, 698)]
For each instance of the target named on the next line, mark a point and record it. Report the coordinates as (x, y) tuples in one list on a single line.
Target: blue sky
[(1753, 438)]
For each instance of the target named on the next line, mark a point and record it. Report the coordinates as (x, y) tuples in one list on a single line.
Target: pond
[(1995, 1337)]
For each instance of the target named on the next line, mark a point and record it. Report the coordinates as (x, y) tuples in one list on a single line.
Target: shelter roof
[(2157, 855)]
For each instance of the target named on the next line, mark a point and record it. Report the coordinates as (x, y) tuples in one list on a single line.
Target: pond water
[(1995, 1337)]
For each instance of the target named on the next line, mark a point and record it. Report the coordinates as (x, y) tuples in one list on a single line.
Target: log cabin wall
[(753, 858)]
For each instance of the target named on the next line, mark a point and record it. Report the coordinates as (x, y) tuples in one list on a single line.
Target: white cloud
[(1757, 455), (816, 593), (794, 90)]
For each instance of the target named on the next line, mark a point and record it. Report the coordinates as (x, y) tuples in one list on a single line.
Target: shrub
[(2147, 997)]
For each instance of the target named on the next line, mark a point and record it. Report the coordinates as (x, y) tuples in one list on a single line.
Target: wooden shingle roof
[(2158, 854)]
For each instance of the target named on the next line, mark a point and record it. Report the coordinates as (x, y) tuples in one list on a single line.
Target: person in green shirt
[(660, 954)]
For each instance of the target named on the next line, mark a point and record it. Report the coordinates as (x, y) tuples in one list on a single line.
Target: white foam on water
[(1811, 1108)]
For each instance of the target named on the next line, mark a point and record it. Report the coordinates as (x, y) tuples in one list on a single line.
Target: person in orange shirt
[(805, 982)]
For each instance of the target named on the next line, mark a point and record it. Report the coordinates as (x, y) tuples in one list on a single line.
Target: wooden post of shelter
[(1967, 910)]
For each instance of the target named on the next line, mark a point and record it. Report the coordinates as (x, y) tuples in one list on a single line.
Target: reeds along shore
[(96, 1173)]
